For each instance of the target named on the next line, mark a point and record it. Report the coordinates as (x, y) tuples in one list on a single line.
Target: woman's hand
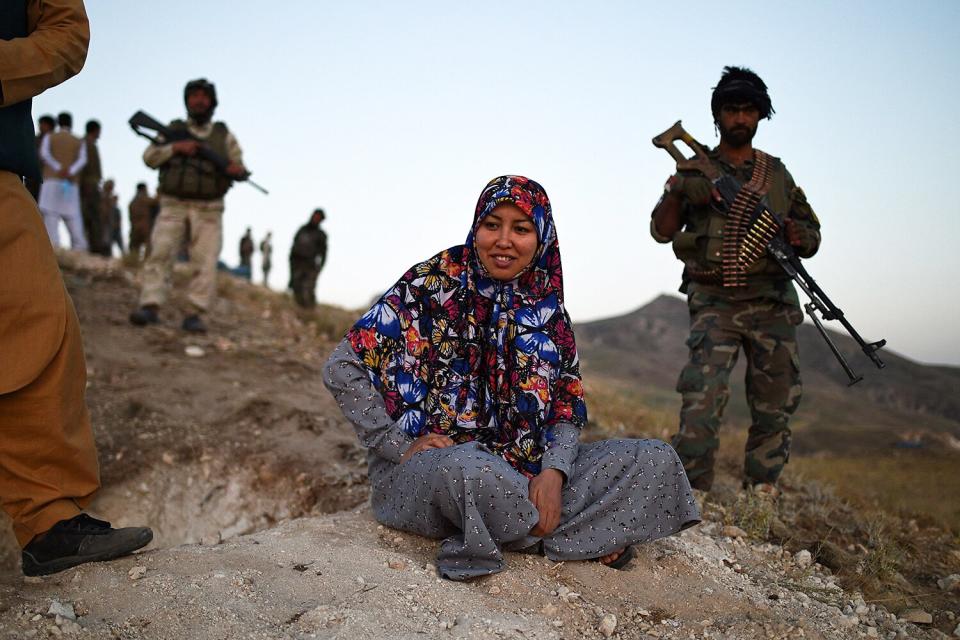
[(429, 441), (545, 495)]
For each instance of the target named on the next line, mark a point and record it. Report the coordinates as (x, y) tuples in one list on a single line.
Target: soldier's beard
[(202, 117), (737, 137)]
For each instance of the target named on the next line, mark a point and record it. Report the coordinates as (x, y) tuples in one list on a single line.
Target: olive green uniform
[(759, 316)]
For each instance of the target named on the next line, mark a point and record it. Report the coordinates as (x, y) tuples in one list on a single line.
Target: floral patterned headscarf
[(457, 352)]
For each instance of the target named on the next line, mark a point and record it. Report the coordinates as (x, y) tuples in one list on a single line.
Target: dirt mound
[(229, 447), (343, 576), (208, 437)]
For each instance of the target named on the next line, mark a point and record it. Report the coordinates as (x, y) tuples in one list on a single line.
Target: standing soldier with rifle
[(191, 190), (732, 306)]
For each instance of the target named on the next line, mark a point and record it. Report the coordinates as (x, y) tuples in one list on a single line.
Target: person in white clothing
[(63, 156)]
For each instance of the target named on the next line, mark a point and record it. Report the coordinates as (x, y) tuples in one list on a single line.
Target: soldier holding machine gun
[(736, 304), (192, 186)]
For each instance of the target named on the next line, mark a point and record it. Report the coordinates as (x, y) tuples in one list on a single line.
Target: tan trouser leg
[(205, 244), (166, 239), (48, 462)]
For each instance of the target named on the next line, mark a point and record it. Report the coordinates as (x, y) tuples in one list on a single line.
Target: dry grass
[(908, 482), (621, 411), (886, 555), (753, 514), (325, 322)]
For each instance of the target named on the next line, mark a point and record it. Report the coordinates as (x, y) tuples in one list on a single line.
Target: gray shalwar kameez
[(617, 492)]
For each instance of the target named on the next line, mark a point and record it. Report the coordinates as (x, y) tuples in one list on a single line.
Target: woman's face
[(506, 241)]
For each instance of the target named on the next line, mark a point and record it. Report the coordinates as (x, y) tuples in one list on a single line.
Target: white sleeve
[(46, 155), (81, 161)]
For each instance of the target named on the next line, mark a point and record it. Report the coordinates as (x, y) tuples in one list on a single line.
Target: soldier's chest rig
[(729, 247), (196, 177)]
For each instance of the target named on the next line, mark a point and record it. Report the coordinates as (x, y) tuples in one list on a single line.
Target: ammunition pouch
[(685, 245)]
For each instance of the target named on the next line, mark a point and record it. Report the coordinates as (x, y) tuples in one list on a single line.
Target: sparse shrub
[(886, 554), (753, 514), (331, 323)]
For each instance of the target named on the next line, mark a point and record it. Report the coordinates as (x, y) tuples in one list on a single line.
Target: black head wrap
[(738, 85)]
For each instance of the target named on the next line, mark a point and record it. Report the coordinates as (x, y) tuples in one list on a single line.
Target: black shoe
[(77, 540), (194, 324), (144, 316)]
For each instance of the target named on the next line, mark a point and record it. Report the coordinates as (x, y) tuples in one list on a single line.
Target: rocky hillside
[(230, 448)]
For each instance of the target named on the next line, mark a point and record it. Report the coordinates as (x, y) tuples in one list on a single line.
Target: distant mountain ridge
[(647, 348)]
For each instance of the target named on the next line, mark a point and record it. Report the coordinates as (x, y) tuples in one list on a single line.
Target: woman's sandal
[(622, 560)]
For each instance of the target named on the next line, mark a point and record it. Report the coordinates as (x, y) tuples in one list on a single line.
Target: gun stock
[(699, 162), (142, 120)]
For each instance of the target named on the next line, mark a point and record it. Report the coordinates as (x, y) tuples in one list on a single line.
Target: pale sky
[(393, 116)]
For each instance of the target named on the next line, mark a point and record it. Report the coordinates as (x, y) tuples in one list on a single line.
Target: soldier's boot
[(193, 323), (145, 315), (765, 491)]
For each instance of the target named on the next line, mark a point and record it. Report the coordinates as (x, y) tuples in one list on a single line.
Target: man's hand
[(799, 236), (235, 170), (668, 216), (186, 147), (696, 189), (64, 172), (429, 441), (545, 491)]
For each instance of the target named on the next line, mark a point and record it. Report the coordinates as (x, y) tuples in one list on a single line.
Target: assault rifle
[(141, 120), (767, 234)]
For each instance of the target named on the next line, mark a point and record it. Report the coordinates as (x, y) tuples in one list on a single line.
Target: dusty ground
[(255, 488)]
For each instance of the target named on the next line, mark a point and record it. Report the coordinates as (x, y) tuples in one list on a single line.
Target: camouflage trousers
[(719, 328)]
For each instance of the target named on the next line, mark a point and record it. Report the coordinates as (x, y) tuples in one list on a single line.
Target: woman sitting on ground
[(463, 382)]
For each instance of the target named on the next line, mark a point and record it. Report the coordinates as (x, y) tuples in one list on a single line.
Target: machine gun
[(141, 120), (766, 236)]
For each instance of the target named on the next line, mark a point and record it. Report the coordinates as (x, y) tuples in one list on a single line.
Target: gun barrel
[(257, 187), (853, 377)]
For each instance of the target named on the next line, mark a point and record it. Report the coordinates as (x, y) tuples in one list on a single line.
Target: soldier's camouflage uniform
[(760, 318)]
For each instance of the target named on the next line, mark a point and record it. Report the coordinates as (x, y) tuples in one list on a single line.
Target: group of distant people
[(247, 249), (191, 205), (73, 190), (192, 190), (308, 255)]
